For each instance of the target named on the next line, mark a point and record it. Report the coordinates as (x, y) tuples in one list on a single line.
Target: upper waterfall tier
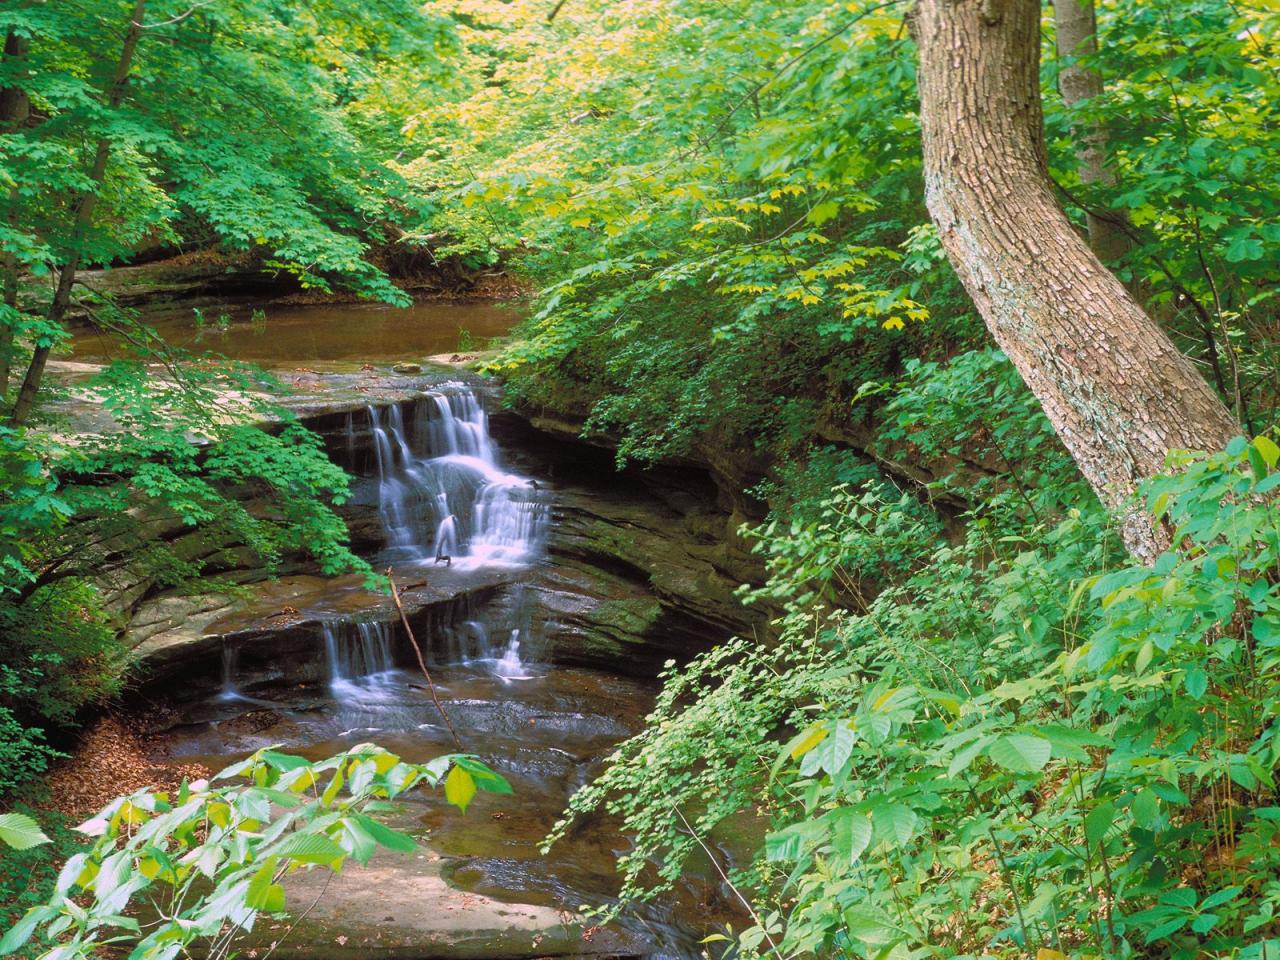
[(442, 494)]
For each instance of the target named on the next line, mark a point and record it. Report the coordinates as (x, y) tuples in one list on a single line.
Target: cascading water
[(358, 658), (442, 495), (230, 663)]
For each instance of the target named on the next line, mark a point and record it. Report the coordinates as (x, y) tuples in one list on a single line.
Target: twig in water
[(725, 877), (395, 595)]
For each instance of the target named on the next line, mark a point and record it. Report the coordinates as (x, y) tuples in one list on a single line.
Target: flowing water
[(444, 497)]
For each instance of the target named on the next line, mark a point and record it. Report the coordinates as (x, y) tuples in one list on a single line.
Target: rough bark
[(1077, 37), (15, 108), (1113, 385), (82, 220)]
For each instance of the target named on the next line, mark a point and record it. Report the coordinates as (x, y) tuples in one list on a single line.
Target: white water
[(358, 659), (442, 494), (443, 497)]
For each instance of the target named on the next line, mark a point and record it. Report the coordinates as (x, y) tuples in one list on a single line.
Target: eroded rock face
[(272, 634), (643, 565)]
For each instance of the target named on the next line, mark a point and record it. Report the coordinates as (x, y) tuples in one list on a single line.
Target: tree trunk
[(15, 108), (1077, 36), (1113, 385), (83, 219)]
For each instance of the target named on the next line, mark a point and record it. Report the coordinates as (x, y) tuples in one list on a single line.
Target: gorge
[(545, 590)]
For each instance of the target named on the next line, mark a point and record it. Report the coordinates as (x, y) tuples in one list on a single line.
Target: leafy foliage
[(209, 860), (1012, 742)]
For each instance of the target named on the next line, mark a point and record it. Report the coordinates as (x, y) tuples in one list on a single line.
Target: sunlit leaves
[(247, 839), (20, 832)]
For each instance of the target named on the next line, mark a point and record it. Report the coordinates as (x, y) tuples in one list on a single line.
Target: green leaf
[(264, 893), (459, 787), (1269, 451), (309, 848), (894, 822), (792, 842), (851, 832), (20, 832), (21, 931), (1144, 808), (832, 752), (822, 212), (1257, 464), (384, 835), (1098, 822), (1221, 897), (1021, 752), (1196, 683), (873, 927), (283, 761)]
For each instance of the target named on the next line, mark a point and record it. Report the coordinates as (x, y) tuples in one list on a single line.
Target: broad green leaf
[(1268, 449), (851, 833), (20, 832), (384, 835), (1020, 752), (1098, 822), (306, 847), (21, 931)]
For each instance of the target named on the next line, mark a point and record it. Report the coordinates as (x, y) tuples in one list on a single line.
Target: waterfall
[(230, 665), (509, 666), (444, 498), (358, 658), (441, 491)]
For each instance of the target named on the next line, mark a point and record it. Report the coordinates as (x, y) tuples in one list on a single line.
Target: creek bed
[(546, 733), (480, 889)]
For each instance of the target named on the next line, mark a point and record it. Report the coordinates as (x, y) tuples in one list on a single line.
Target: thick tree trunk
[(1077, 36), (15, 108), (82, 220), (1115, 388)]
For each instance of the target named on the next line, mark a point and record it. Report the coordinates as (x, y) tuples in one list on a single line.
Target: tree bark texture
[(82, 220), (1077, 36), (1115, 388), (15, 108)]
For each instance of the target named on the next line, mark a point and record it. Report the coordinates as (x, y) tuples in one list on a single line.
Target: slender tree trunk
[(83, 219), (1113, 385), (15, 108), (1077, 36)]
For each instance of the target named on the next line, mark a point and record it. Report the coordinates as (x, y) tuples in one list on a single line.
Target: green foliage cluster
[(182, 483), (27, 875), (721, 204), (258, 126), (203, 865), (1005, 740), (713, 255)]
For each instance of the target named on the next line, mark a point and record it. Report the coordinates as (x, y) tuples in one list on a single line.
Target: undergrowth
[(1003, 738)]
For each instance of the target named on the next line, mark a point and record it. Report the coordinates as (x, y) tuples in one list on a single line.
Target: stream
[(450, 508)]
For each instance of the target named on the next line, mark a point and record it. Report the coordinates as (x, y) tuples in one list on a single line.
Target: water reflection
[(289, 335)]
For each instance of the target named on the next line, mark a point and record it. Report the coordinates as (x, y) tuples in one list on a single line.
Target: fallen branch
[(395, 595)]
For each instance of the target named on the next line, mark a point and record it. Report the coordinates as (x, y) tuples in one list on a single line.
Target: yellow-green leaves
[(459, 787), (222, 852)]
